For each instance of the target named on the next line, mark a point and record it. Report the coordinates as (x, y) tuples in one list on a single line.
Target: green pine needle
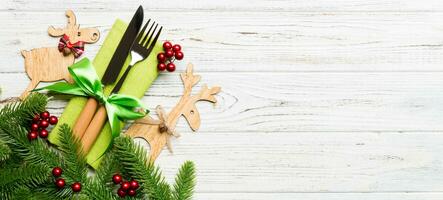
[(185, 182), (25, 166), (12, 179), (74, 160), (22, 112), (133, 159), (5, 151)]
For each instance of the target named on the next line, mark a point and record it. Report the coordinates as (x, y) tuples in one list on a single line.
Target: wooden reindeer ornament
[(49, 64), (158, 132)]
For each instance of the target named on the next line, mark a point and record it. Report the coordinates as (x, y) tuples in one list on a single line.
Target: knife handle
[(94, 129), (85, 118)]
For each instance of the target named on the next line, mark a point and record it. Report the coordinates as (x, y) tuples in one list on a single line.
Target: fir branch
[(185, 182), (26, 176), (5, 151), (74, 160), (97, 189), (108, 167), (35, 152), (134, 160), (22, 112)]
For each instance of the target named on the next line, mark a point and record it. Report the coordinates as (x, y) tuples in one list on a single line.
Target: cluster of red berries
[(126, 187), (39, 125), (60, 182), (166, 59)]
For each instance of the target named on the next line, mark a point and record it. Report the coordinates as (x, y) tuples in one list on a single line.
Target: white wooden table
[(336, 100)]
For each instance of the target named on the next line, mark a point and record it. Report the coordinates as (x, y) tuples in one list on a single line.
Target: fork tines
[(145, 43)]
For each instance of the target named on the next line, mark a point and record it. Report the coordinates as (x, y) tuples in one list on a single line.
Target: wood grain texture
[(254, 41), (291, 102), (319, 196), (228, 5), (321, 99)]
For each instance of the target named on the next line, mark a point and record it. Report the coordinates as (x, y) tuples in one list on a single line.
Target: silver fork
[(140, 50)]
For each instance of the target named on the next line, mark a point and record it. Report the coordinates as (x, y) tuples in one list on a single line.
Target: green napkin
[(137, 82)]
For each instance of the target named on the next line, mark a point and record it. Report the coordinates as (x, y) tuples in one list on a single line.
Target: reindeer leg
[(31, 86)]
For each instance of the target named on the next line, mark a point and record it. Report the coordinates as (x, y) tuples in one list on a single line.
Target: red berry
[(169, 53), (121, 192), (43, 124), (134, 184), (132, 193), (44, 115), (57, 171), (32, 135), (60, 183), (36, 118), (117, 178), (43, 133), (34, 127), (161, 57), (53, 120), (179, 55), (176, 48), (167, 45), (170, 67), (76, 187), (161, 66), (125, 185)]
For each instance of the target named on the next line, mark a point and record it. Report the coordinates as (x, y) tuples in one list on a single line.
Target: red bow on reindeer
[(76, 48)]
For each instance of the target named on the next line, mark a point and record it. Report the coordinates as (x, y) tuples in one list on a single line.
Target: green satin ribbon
[(87, 83)]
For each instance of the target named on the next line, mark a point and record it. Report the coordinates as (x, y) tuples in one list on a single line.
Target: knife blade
[(112, 71), (122, 51)]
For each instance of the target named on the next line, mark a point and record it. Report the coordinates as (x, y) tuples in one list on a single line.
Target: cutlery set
[(136, 43)]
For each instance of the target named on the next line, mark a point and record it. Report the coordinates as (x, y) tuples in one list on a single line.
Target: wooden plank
[(290, 162), (253, 41), (291, 102), (318, 196), (226, 5)]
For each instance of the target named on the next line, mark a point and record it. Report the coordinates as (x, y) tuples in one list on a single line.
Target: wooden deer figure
[(49, 64), (158, 132)]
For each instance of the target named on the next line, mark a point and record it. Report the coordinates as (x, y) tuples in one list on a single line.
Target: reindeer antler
[(189, 79), (72, 20)]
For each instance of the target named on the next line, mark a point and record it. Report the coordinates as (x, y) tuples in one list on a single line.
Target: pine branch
[(97, 189), (108, 167), (13, 118), (134, 161), (22, 112), (26, 176), (185, 182), (74, 161), (5, 151)]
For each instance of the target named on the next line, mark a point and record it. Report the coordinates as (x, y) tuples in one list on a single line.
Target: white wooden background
[(321, 99)]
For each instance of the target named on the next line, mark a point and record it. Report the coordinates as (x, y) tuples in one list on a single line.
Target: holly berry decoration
[(126, 187), (76, 187), (32, 135), (133, 184), (57, 171), (39, 124), (166, 59), (60, 183), (121, 192), (117, 178)]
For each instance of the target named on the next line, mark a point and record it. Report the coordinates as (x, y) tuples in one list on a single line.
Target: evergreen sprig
[(185, 181), (74, 161), (5, 151), (27, 174)]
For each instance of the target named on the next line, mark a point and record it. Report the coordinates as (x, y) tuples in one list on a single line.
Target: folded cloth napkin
[(137, 82)]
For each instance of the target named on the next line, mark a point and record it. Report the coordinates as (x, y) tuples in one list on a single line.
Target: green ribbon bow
[(87, 83)]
